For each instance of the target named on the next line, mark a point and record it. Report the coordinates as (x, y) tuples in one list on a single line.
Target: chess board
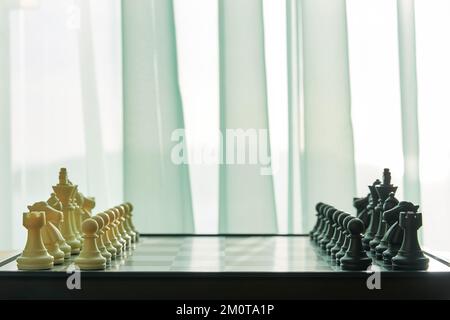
[(232, 267)]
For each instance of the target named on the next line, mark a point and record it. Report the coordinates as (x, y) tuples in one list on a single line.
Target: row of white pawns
[(106, 236)]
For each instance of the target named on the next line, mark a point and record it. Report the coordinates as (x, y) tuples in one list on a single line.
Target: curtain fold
[(295, 113), (408, 90), (328, 157), (47, 80), (93, 140), (53, 74), (5, 133), (246, 194), (159, 188)]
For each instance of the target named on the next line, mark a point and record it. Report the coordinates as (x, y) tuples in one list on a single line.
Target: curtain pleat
[(246, 196), (408, 89), (295, 110), (95, 163), (5, 133), (328, 159), (159, 188)]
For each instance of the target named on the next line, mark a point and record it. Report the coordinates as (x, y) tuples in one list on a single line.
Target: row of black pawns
[(340, 235)]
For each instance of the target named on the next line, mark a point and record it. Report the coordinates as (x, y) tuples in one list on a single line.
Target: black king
[(377, 226)]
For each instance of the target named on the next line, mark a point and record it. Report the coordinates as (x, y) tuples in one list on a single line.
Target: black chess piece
[(321, 225), (346, 242), (390, 203), (311, 233), (335, 236), (363, 214), (341, 237), (355, 258), (410, 256), (370, 230), (360, 204), (383, 191), (328, 234), (394, 234), (325, 225)]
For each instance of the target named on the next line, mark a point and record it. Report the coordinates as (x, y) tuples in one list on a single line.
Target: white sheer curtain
[(374, 73), (64, 107), (433, 83), (153, 112)]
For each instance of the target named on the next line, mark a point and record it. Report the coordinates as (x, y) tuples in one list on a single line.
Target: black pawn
[(329, 230), (346, 243), (335, 236), (325, 224), (410, 256), (341, 238), (321, 224), (316, 226), (355, 258)]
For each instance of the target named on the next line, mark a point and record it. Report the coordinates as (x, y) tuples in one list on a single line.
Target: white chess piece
[(130, 219), (106, 239), (64, 192), (35, 255), (50, 240), (112, 233), (99, 240), (116, 223), (121, 226), (126, 223), (51, 236), (90, 257), (54, 203)]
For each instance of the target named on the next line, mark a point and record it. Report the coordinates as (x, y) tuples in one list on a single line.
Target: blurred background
[(345, 89)]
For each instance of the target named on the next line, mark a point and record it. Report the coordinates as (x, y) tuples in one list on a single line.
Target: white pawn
[(90, 257), (100, 244), (35, 255), (113, 235), (106, 240)]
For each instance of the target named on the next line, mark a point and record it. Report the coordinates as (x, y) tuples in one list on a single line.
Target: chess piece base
[(75, 251), (75, 246), (107, 255), (382, 247), (57, 254), (400, 262), (348, 263), (42, 262), (65, 248), (373, 244), (365, 241), (98, 263)]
